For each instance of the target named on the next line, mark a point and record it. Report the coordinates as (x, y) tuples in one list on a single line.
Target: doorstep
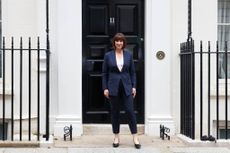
[(106, 129)]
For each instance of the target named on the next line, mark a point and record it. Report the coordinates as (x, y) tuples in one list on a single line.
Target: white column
[(158, 72), (69, 48)]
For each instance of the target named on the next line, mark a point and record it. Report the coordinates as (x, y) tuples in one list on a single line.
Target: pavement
[(103, 144)]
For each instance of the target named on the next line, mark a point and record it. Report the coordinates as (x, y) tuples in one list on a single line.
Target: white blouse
[(120, 63)]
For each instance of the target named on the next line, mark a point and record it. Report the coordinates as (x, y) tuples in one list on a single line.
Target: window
[(5, 131), (223, 133), (223, 34)]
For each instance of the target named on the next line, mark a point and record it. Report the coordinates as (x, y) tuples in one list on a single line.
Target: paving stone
[(200, 150), (51, 150), (133, 150), (90, 150), (113, 150), (103, 144), (19, 150)]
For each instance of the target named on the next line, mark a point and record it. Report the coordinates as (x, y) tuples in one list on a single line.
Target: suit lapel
[(114, 60), (124, 60)]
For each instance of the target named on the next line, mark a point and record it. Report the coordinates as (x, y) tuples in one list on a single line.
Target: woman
[(119, 85)]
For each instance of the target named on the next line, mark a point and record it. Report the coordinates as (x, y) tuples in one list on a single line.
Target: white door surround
[(158, 109)]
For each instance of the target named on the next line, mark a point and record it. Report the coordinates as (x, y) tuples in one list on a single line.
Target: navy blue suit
[(120, 84), (112, 76)]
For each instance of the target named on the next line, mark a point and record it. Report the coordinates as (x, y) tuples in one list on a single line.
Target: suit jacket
[(112, 76)]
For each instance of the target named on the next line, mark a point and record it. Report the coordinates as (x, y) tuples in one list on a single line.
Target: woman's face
[(119, 44)]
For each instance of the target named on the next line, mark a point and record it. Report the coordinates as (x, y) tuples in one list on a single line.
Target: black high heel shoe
[(137, 145), (115, 145)]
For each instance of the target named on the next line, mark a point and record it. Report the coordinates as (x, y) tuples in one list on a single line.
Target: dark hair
[(119, 36)]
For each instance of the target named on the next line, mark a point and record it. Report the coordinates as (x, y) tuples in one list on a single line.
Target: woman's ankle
[(135, 139), (116, 136)]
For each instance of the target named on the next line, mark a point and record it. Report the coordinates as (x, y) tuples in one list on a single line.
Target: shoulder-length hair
[(121, 37)]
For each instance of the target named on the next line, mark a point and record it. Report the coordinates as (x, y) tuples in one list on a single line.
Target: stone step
[(19, 144), (98, 129)]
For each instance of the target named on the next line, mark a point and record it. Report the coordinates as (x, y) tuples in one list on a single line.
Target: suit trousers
[(127, 102)]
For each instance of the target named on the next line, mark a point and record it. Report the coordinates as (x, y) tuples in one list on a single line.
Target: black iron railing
[(187, 89), (18, 66), (206, 62)]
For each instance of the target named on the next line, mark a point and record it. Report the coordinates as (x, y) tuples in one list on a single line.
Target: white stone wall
[(19, 18), (24, 19)]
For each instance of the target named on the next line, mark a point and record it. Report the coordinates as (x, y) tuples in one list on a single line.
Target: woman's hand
[(134, 92), (106, 93)]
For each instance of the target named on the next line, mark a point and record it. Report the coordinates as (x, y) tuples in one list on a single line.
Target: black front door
[(101, 20)]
